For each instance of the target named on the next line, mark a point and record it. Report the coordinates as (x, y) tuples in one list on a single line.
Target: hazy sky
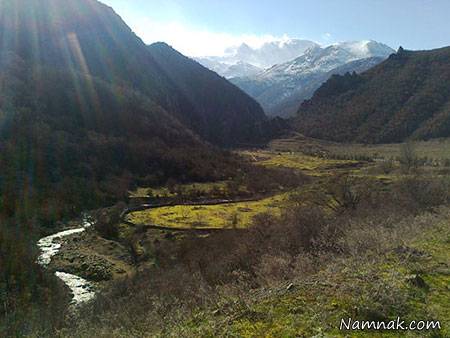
[(207, 27)]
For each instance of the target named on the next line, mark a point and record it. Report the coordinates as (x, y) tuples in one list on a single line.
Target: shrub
[(107, 221), (408, 157)]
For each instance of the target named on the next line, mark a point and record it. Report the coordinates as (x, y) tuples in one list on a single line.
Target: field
[(438, 149), (316, 159), (226, 215), (239, 214), (311, 165)]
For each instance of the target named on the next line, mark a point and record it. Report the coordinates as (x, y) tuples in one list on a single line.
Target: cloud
[(193, 41), (327, 37)]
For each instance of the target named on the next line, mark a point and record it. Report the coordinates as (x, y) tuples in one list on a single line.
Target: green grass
[(238, 214)]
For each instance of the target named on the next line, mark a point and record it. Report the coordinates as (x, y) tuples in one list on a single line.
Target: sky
[(208, 27)]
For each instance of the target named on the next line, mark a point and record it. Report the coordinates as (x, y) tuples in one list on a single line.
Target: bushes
[(205, 273), (107, 221), (31, 301), (423, 193)]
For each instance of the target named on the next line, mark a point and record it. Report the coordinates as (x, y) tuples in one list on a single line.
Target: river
[(82, 290)]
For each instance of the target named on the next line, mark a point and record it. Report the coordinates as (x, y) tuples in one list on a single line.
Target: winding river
[(82, 290)]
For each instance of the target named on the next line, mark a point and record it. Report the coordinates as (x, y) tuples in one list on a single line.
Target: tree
[(408, 157)]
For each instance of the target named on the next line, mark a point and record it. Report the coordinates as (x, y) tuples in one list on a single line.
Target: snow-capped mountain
[(241, 69), (322, 60), (244, 60), (279, 88)]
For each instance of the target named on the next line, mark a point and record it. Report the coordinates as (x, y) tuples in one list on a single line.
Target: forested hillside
[(225, 113), (88, 37), (407, 96)]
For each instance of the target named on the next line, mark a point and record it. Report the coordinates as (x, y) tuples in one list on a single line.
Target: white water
[(82, 290)]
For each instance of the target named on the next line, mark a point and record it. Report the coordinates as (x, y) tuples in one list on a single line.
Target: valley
[(150, 239), (273, 187)]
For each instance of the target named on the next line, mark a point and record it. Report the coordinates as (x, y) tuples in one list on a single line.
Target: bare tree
[(408, 157)]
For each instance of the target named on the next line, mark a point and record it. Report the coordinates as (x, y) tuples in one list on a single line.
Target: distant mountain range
[(405, 97), (299, 68), (244, 60)]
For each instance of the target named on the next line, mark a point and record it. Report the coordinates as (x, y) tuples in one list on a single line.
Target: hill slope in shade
[(225, 112), (407, 96), (88, 37), (85, 110)]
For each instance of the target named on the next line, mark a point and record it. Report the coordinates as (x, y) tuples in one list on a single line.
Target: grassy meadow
[(224, 215)]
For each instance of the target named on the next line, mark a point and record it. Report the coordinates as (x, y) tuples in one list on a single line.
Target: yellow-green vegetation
[(202, 188), (315, 166), (239, 214), (377, 287)]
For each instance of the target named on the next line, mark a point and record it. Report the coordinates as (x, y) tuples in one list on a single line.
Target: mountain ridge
[(281, 87), (89, 37), (265, 56), (82, 96)]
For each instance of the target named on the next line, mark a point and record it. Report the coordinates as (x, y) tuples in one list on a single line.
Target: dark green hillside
[(407, 96), (224, 111)]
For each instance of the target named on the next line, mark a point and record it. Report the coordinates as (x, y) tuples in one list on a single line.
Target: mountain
[(305, 89), (405, 97), (282, 88), (241, 69), (86, 108), (224, 111), (244, 60), (88, 37)]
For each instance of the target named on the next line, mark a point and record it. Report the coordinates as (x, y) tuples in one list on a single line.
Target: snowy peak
[(365, 48), (281, 74), (281, 88), (269, 53), (292, 56), (322, 60), (241, 69), (265, 56)]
